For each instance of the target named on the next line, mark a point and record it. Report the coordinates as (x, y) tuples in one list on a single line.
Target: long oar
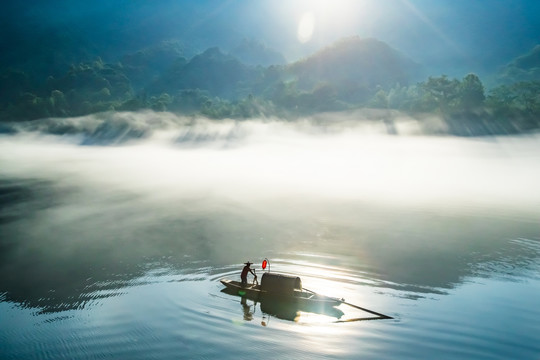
[(380, 316)]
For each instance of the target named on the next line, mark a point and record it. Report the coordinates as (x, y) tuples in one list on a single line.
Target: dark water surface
[(115, 252)]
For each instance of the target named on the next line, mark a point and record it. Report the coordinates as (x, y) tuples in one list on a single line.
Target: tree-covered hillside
[(351, 73), (355, 66)]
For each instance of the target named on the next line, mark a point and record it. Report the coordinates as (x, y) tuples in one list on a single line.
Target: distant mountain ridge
[(213, 71), (252, 52), (364, 60), (354, 66), (529, 60), (525, 67), (351, 69)]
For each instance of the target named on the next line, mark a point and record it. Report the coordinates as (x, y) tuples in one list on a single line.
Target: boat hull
[(255, 292)]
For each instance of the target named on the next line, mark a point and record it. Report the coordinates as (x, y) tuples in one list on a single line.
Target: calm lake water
[(114, 250)]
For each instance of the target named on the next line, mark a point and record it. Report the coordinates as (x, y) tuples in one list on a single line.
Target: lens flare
[(306, 27)]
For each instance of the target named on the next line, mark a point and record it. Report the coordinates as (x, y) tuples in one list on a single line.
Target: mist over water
[(116, 207), (156, 155)]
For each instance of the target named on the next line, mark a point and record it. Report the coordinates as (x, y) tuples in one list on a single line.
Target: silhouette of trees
[(442, 92), (471, 93)]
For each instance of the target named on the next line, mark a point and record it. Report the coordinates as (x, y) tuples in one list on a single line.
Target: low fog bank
[(329, 156), (114, 128)]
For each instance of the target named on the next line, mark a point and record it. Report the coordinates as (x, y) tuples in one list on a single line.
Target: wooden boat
[(283, 296), (281, 287)]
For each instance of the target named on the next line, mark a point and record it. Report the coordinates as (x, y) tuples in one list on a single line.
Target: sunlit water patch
[(163, 314)]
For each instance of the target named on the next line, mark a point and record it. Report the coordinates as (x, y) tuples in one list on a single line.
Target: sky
[(442, 34)]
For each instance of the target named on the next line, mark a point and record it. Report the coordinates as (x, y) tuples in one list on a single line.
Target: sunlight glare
[(306, 27), (321, 19)]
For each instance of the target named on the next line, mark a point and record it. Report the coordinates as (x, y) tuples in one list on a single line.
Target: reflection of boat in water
[(283, 308), (283, 296)]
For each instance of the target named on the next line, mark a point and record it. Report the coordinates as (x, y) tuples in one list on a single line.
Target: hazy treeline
[(350, 74)]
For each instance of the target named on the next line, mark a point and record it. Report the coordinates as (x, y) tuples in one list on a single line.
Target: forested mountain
[(354, 68), (144, 66), (367, 62), (346, 73), (213, 71), (351, 73)]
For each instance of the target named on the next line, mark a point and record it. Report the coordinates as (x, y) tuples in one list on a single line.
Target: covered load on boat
[(280, 284)]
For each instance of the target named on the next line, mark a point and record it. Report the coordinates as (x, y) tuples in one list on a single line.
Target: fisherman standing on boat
[(245, 272)]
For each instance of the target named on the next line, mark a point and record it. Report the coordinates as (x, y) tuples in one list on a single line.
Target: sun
[(306, 27), (324, 17)]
